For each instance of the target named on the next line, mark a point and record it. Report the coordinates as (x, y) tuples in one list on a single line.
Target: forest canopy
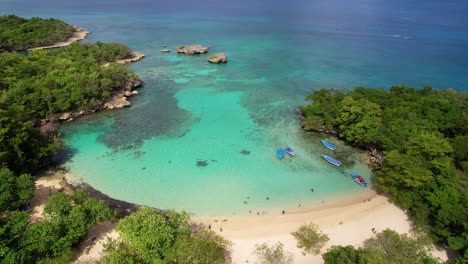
[(423, 136), (47, 82), (18, 33)]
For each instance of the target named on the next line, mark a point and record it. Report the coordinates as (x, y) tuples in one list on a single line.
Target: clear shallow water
[(202, 137)]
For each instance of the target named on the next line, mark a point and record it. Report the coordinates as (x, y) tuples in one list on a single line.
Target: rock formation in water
[(218, 58), (192, 49)]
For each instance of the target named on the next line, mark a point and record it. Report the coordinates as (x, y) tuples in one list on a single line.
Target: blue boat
[(328, 145), (290, 151), (280, 153), (359, 179), (331, 160)]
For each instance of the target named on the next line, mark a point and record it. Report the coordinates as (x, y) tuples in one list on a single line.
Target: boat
[(290, 151), (359, 179), (280, 153), (332, 160), (328, 145)]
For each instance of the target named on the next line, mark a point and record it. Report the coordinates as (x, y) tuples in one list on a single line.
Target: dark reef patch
[(202, 163), (245, 152)]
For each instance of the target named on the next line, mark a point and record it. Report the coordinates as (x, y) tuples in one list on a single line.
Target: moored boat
[(328, 145), (359, 179), (332, 160), (280, 153), (290, 151)]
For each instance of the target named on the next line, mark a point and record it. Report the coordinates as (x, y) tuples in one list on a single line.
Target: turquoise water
[(202, 137)]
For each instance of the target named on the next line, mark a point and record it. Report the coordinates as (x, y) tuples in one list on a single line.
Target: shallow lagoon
[(202, 137)]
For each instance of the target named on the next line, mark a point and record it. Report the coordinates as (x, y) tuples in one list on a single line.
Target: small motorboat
[(328, 145), (290, 151), (280, 153), (332, 160), (359, 179)]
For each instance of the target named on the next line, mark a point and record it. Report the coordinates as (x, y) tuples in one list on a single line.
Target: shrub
[(274, 254), (310, 239)]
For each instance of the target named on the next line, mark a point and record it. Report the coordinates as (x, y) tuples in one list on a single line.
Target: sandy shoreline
[(78, 34), (346, 221)]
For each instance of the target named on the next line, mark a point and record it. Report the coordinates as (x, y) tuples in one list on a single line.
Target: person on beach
[(283, 212), (250, 211), (220, 229), (209, 226)]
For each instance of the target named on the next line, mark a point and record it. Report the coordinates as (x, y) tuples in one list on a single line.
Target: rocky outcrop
[(192, 49), (78, 34), (135, 56), (118, 99), (218, 58), (165, 50), (375, 158)]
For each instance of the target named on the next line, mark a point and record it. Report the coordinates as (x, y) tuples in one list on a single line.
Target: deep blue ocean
[(202, 137)]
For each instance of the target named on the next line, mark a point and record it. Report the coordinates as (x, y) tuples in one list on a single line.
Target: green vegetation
[(36, 86), (388, 247), (18, 33), (211, 57), (310, 239), (14, 190), (148, 237), (274, 254), (181, 47), (423, 136), (47, 82), (69, 217)]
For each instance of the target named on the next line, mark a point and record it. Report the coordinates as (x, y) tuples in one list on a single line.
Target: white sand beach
[(348, 223), (345, 221), (78, 34)]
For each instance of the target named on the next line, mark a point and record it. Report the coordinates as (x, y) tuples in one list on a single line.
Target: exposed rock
[(375, 158), (128, 93), (117, 101), (218, 58), (64, 116), (135, 92), (164, 45), (165, 50), (192, 49), (49, 126)]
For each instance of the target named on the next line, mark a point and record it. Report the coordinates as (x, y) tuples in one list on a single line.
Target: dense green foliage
[(148, 237), (69, 217), (274, 254), (310, 239), (14, 190), (423, 135), (388, 247), (39, 85), (51, 81), (47, 82), (18, 33)]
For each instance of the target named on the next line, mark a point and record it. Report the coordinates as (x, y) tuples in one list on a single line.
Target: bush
[(274, 254), (310, 239)]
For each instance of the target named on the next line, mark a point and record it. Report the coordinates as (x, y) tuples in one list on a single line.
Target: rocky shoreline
[(374, 157), (55, 180), (78, 34), (118, 99)]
